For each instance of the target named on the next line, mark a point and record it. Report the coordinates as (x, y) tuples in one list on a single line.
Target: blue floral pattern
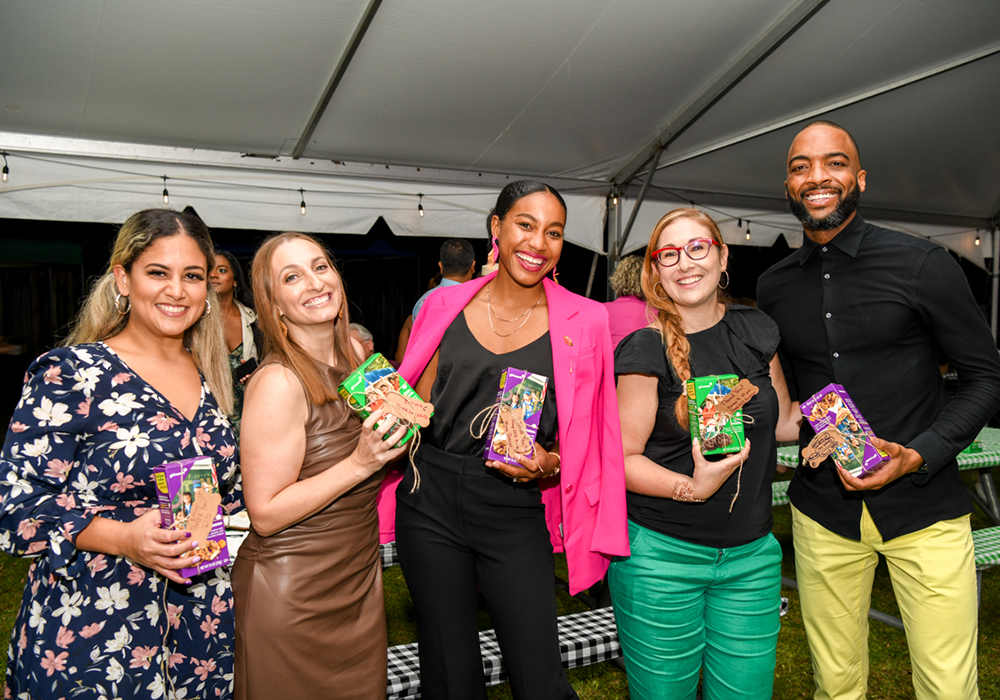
[(83, 442)]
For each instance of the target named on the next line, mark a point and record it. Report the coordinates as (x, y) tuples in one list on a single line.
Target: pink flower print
[(136, 576), (203, 438), (133, 504), (52, 663), (18, 427), (142, 656), (219, 605), (22, 640), (161, 421), (174, 615), (66, 500), (67, 529), (27, 528), (34, 586), (186, 438), (227, 451), (97, 564), (209, 626), (120, 378), (175, 659), (58, 469), (203, 668), (53, 376), (125, 482), (36, 547), (83, 408), (90, 630), (110, 426), (64, 638)]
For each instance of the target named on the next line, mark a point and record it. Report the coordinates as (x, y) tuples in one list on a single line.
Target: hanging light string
[(420, 205), (166, 195), (302, 204), (6, 169)]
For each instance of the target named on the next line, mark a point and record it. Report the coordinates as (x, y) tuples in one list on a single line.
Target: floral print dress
[(83, 442)]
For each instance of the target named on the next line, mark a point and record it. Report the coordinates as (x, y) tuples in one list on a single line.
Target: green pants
[(682, 608)]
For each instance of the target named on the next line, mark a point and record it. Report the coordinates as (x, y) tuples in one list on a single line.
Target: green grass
[(889, 677)]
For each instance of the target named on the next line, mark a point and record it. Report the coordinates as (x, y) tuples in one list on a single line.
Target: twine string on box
[(400, 420), (724, 420)]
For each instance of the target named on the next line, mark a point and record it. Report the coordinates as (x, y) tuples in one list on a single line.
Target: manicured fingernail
[(187, 535), (196, 560), (194, 545), (187, 581)]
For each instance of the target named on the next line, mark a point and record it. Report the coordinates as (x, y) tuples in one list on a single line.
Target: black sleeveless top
[(742, 343), (468, 378)]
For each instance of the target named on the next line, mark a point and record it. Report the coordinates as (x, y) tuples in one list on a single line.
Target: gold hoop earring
[(208, 308), (118, 308), (665, 297), (726, 285)]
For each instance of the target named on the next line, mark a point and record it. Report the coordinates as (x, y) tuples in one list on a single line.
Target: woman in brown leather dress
[(310, 615)]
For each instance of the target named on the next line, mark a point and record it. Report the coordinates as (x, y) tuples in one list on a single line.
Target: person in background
[(628, 312), (141, 380), (457, 262), (243, 338), (364, 338), (483, 523), (875, 310), (308, 578), (700, 592)]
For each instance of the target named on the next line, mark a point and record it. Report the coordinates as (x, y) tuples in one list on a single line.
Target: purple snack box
[(519, 400), (179, 486), (832, 407)]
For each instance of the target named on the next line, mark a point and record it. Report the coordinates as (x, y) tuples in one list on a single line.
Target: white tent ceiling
[(365, 104)]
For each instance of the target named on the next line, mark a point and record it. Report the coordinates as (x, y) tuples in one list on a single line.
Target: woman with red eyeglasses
[(700, 591)]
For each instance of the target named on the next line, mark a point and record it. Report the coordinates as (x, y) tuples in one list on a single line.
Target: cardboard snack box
[(514, 426), (717, 432), (188, 493), (377, 384), (832, 408)]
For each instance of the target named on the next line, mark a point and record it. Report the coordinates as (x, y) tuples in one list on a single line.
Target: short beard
[(841, 213)]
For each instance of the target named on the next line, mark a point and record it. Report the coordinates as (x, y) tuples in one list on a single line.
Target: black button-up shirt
[(874, 310)]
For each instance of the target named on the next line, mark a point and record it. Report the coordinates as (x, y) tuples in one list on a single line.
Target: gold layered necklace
[(526, 315)]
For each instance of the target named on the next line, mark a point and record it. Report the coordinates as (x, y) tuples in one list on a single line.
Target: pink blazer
[(585, 504)]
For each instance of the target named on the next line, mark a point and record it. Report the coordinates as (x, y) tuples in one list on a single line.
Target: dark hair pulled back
[(510, 194)]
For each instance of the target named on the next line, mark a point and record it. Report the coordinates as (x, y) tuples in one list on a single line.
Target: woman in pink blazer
[(473, 522)]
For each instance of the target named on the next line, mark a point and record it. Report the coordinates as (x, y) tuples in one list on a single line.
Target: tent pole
[(614, 229), (996, 284), (638, 202)]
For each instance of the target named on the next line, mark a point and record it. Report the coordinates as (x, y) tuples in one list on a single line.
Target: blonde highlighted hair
[(668, 320), (276, 338), (99, 318)]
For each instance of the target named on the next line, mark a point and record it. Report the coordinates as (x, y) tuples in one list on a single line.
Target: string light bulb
[(614, 196), (302, 204), (5, 168), (420, 206), (166, 195), (748, 230), (977, 237)]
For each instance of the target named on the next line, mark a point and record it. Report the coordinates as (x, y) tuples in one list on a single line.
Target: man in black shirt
[(874, 309)]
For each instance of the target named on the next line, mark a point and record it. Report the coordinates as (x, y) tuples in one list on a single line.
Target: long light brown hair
[(276, 338), (99, 318), (668, 320)]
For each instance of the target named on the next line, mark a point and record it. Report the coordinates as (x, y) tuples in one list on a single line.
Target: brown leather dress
[(310, 615)]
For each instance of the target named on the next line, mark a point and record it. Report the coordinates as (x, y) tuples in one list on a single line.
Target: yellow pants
[(934, 578)]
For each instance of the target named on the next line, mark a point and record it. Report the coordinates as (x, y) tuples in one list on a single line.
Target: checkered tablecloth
[(989, 457), (584, 638), (779, 493), (389, 555), (987, 545)]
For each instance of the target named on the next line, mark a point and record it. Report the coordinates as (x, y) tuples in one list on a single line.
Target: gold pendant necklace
[(526, 315)]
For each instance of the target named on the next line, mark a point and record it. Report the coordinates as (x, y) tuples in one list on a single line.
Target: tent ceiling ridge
[(832, 106), (739, 68)]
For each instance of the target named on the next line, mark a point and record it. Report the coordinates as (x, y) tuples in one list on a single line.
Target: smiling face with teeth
[(693, 285), (166, 286), (825, 180), (530, 237), (307, 287)]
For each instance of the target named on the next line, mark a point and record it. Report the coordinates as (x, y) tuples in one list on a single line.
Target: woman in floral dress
[(143, 380)]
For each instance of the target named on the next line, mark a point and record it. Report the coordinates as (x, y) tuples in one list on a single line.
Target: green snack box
[(974, 447), (717, 435), (376, 384)]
